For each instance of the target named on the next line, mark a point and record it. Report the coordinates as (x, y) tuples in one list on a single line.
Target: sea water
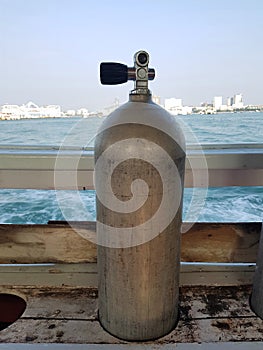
[(224, 204)]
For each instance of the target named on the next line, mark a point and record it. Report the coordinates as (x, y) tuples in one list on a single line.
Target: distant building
[(83, 112), (238, 101), (10, 112), (30, 110), (217, 102), (229, 101), (171, 104), (206, 104), (175, 106), (51, 111), (156, 99), (235, 102), (224, 108), (70, 112)]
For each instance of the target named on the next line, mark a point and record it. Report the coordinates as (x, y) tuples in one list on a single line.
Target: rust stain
[(222, 325)]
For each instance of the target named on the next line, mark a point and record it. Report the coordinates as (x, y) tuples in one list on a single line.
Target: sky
[(50, 50)]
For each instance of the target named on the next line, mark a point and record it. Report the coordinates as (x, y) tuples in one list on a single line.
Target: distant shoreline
[(35, 118), (196, 112)]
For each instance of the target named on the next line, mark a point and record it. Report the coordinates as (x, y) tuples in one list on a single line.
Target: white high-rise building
[(171, 104), (217, 102), (238, 101), (156, 99)]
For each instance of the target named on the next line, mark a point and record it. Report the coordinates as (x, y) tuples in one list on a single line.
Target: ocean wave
[(225, 204), (232, 204)]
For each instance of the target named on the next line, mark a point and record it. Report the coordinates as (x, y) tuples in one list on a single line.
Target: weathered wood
[(186, 346), (46, 243), (204, 242), (218, 314), (82, 331), (209, 242), (196, 302)]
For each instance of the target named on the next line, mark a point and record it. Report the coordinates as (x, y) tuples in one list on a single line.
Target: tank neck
[(146, 98)]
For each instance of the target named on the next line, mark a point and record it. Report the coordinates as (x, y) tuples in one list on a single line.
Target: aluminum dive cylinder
[(139, 174)]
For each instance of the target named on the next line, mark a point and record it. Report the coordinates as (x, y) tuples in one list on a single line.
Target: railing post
[(257, 293)]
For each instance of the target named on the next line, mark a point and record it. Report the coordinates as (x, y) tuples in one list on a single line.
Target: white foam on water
[(225, 204), (232, 204), (40, 206)]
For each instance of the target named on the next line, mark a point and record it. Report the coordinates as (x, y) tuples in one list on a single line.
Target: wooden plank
[(209, 242), (204, 242), (218, 314), (204, 346), (90, 332), (196, 302), (201, 302), (85, 275), (56, 331), (46, 243)]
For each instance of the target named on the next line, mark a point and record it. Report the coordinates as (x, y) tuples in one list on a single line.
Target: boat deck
[(59, 283), (68, 315), (60, 288)]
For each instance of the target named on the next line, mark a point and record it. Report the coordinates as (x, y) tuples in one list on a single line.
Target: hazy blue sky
[(50, 50)]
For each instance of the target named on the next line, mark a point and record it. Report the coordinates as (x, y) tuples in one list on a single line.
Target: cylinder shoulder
[(149, 114)]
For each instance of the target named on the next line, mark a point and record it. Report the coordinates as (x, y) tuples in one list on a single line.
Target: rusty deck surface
[(215, 314), (194, 346)]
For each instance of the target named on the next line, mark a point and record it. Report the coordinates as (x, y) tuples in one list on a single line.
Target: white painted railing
[(49, 167)]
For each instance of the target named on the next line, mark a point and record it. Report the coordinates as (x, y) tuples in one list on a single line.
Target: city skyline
[(157, 99), (50, 51), (173, 105)]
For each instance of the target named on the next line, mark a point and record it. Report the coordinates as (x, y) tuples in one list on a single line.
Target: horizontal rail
[(51, 167), (84, 275), (52, 243)]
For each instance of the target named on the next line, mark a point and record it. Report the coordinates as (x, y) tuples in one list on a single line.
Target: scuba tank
[(139, 176)]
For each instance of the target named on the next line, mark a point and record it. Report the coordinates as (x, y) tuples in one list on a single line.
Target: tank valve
[(112, 73)]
